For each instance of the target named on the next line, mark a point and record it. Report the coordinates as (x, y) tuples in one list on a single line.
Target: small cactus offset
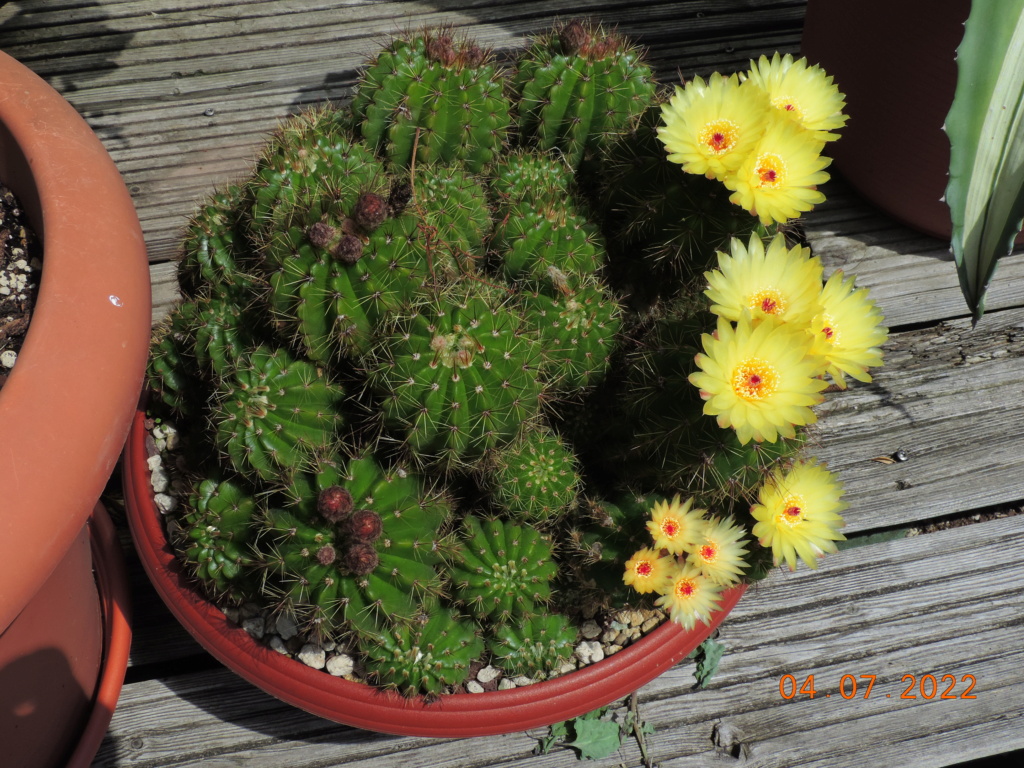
[(446, 361), (535, 479), (503, 570)]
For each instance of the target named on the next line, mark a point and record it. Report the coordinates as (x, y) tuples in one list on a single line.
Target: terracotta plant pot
[(363, 706), (67, 405), (894, 60)]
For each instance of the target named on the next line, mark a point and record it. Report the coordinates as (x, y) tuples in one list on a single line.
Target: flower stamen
[(755, 379)]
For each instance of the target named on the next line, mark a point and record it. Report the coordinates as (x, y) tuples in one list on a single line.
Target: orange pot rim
[(67, 405), (360, 705), (115, 602)]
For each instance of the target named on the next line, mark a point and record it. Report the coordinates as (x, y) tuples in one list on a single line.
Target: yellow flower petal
[(763, 380), (690, 597), (674, 525), (710, 127), (803, 94), (848, 332), (777, 282), (798, 514), (648, 571), (778, 180)]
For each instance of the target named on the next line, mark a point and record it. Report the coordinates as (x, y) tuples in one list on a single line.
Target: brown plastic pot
[(363, 706), (67, 405), (895, 61)]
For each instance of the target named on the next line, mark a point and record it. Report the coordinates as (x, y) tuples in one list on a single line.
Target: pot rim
[(361, 705), (67, 405), (115, 603)]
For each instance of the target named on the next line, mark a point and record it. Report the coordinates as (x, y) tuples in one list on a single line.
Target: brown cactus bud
[(370, 211), (326, 555), (361, 558), (573, 37), (322, 234), (349, 249), (364, 525), (441, 49), (399, 197), (334, 504)]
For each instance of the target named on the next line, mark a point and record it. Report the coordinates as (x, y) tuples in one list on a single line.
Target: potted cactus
[(429, 387), (63, 608)]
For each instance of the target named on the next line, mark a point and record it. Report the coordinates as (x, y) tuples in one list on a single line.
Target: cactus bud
[(361, 558), (326, 555), (334, 503), (399, 197), (364, 525), (572, 37), (349, 249), (370, 211), (322, 235)]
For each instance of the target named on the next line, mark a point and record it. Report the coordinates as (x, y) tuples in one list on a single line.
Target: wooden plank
[(924, 605), (911, 276), (949, 395)]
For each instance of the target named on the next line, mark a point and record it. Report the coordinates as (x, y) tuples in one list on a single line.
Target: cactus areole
[(92, 315)]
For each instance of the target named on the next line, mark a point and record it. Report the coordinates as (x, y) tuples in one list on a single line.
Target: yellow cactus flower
[(710, 127), (778, 180), (848, 332), (690, 597), (781, 282), (718, 553), (760, 379), (674, 525), (797, 514), (803, 94), (648, 571)]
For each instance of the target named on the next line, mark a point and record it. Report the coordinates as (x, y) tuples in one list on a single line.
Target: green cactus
[(458, 376), (311, 168), (578, 88), (215, 255), (503, 570), (171, 365), (547, 246), (535, 479), (216, 535), (536, 647), (425, 656), (436, 95), (274, 413), (539, 179), (454, 219), (334, 307), (578, 331)]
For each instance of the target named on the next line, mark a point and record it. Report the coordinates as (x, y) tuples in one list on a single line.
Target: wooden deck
[(182, 91)]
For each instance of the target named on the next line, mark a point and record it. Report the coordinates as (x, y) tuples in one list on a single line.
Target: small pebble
[(286, 627), (154, 462), (487, 674), (590, 630), (159, 480), (313, 656), (340, 664), (522, 680), (609, 650), (328, 645), (474, 687), (165, 503), (506, 684), (596, 651), (566, 668), (277, 644), (583, 652), (255, 626), (8, 358), (650, 624)]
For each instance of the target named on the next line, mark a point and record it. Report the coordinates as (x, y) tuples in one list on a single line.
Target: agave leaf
[(985, 126)]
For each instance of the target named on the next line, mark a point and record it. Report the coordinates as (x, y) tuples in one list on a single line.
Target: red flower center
[(644, 568), (792, 512)]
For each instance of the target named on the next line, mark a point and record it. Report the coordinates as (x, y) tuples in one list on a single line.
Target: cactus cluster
[(427, 404)]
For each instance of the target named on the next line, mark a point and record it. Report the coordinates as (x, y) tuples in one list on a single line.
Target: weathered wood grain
[(947, 603)]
